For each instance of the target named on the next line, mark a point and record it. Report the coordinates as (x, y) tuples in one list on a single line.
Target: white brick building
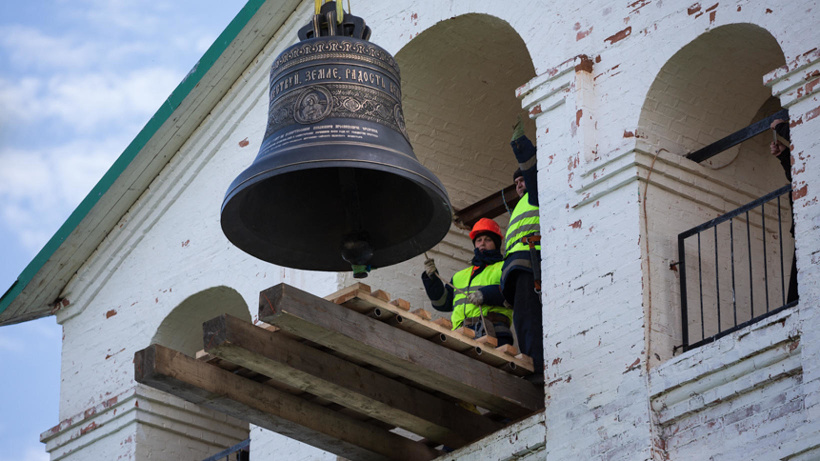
[(617, 94)]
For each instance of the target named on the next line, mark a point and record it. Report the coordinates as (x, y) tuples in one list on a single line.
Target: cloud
[(87, 102), (124, 15), (40, 187), (29, 453), (28, 47), (16, 99), (9, 344)]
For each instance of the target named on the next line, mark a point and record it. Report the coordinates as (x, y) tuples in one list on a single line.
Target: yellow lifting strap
[(340, 12)]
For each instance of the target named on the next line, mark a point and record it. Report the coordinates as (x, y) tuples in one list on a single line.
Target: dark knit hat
[(517, 174), (495, 238)]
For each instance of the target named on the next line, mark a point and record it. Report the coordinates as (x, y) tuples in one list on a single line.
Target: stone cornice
[(550, 89), (726, 368), (797, 80), (146, 406), (666, 171)]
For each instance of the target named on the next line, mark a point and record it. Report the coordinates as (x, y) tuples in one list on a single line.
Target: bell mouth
[(402, 216)]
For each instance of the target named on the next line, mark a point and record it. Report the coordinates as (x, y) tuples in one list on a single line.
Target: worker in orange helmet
[(474, 294)]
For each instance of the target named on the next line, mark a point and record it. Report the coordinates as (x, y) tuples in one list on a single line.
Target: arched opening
[(458, 85), (181, 330), (458, 80), (710, 89)]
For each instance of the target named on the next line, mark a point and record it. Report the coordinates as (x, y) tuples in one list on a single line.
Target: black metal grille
[(239, 452), (740, 269)]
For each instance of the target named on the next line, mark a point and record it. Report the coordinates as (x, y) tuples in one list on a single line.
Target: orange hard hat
[(485, 225)]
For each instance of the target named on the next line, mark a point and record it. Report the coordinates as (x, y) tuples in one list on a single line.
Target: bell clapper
[(357, 251)]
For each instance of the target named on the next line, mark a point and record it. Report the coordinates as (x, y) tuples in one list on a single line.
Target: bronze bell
[(335, 185)]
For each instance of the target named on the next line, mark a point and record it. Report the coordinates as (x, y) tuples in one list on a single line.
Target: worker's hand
[(476, 298), (776, 148), (430, 267), (518, 129)]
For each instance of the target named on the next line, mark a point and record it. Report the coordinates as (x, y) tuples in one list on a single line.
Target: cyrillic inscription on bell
[(335, 185)]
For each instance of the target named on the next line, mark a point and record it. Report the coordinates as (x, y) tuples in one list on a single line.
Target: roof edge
[(163, 114)]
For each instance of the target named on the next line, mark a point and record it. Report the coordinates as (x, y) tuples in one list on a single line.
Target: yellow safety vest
[(491, 275), (523, 222)]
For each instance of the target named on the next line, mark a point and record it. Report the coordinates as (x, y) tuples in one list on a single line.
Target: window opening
[(717, 237)]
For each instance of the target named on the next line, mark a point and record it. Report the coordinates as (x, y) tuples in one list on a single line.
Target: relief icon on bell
[(335, 185)]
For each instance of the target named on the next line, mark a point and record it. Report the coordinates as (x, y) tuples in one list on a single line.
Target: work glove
[(430, 267), (476, 298), (518, 129)]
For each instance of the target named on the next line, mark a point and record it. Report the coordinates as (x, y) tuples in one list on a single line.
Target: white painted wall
[(610, 305)]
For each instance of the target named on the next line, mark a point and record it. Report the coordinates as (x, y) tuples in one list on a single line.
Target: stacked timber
[(354, 373)]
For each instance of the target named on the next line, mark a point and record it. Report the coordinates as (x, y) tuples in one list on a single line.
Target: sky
[(78, 80)]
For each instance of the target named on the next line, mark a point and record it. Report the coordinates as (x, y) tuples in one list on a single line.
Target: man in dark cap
[(521, 275)]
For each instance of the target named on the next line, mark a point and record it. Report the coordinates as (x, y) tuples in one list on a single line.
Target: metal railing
[(239, 452), (737, 276)]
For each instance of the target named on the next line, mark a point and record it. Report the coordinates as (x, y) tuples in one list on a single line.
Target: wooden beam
[(398, 351), (335, 379), (415, 322), (488, 207), (267, 407)]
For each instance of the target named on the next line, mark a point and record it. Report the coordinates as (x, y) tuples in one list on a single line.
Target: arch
[(710, 88), (458, 80), (458, 85), (181, 329)]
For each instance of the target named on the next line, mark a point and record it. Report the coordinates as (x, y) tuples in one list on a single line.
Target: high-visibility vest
[(491, 275), (523, 222)]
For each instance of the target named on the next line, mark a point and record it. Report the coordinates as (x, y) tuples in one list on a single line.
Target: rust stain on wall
[(110, 313), (585, 65), (244, 142), (633, 366), (576, 224), (812, 113), (88, 428), (573, 162), (800, 193), (693, 9), (638, 5), (619, 36)]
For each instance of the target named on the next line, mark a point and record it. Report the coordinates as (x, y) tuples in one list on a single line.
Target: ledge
[(146, 406), (517, 441), (734, 365)]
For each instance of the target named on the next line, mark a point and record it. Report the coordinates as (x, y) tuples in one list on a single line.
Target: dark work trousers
[(527, 318), (503, 335)]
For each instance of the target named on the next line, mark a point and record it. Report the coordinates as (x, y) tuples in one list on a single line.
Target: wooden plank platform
[(265, 406), (358, 297), (356, 374), (345, 330), (337, 380)]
